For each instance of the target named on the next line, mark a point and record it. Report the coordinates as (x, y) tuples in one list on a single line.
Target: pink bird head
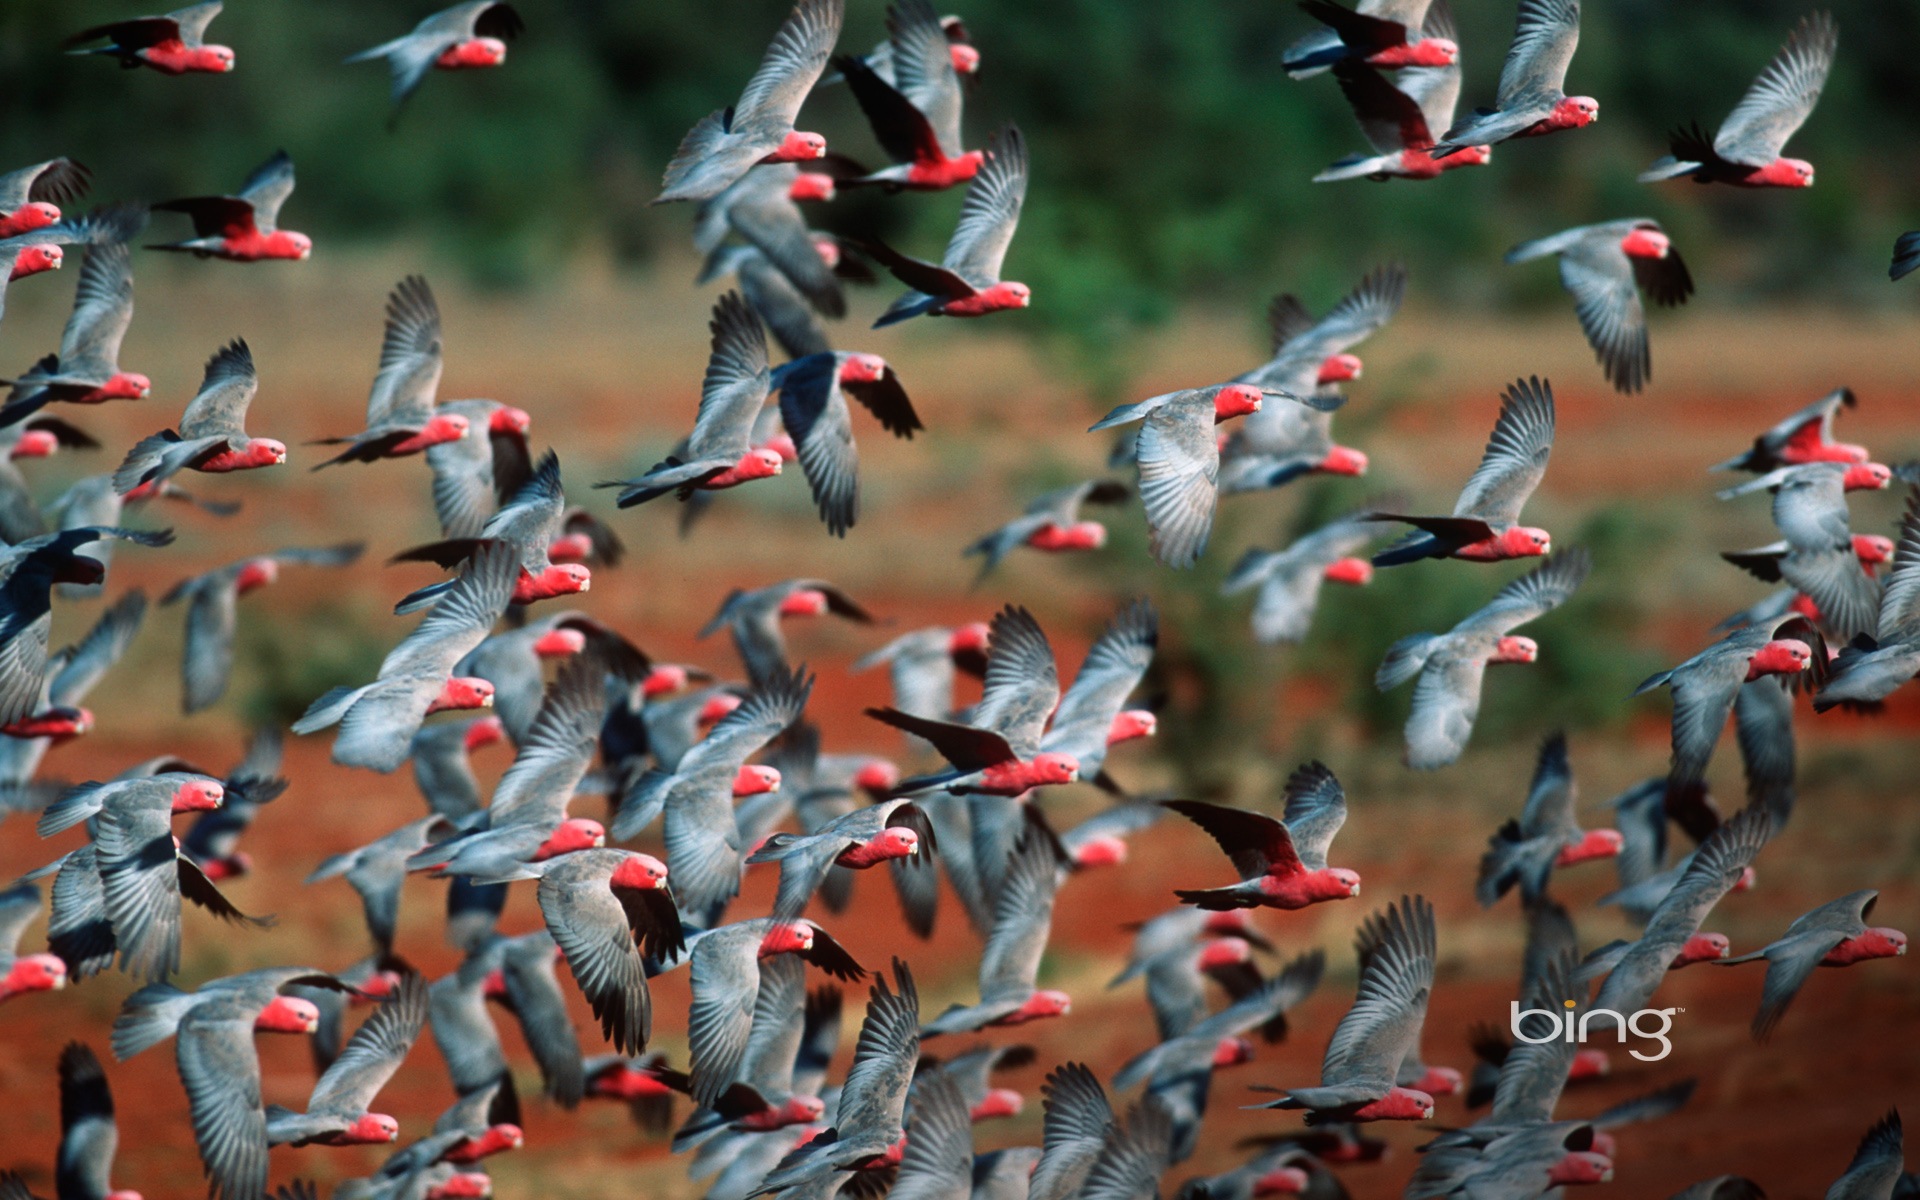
[(574, 833), (1107, 850), (474, 53), (1702, 947), (1785, 173), (1440, 1081), (378, 986), (558, 579), (233, 866), (998, 1102), (804, 602), (1047, 1002), (1524, 541), (508, 420), (1338, 368), (570, 548), (799, 147), (1354, 572), (462, 692), (1574, 112), (1871, 548), (123, 385), (1879, 941), (663, 678), (1009, 294), (1081, 535), (497, 1139), (1281, 1181), (35, 214), (717, 706), (895, 841), (61, 722), (1646, 243), (1470, 156), (966, 60), (1232, 1051), (1867, 477), (877, 776), (787, 937), (288, 1014), (810, 186), (1399, 1104), (1589, 1063), (257, 573), (1236, 400), (828, 248), (440, 429), (198, 795), (1515, 649), (1343, 460), (625, 1083), (1132, 723), (35, 443), (968, 639), (484, 732), (862, 368), (1225, 952), (298, 246), (373, 1129), (33, 973), (1054, 767), (1594, 843), (465, 1185), (560, 642), (31, 260), (754, 779), (1782, 656), (1581, 1166)]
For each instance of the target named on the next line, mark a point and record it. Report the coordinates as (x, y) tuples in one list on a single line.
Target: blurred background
[(1169, 200)]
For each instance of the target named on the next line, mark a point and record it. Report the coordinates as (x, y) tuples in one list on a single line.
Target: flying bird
[(813, 406), (213, 617), (726, 143), (1605, 267), (1804, 437), (1835, 934), (174, 44), (967, 281), (212, 436), (608, 910), (1289, 580), (532, 522), (1871, 666), (1282, 864), (86, 370), (1546, 836), (31, 196), (1819, 555), (1485, 525), (401, 416), (1452, 666), (1010, 964), (243, 227), (1051, 523), (1381, 33), (467, 36), (1531, 100), (1403, 119), (916, 114), (1746, 149)]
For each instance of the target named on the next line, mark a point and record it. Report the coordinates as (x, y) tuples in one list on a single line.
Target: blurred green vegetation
[(1172, 155)]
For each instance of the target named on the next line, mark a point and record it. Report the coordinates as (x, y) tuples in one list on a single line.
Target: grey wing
[(1134, 1155), (1877, 1166), (541, 1009), (1550, 796), (1531, 596), (221, 1075), (208, 663), (590, 926), (219, 408), (1900, 598), (1703, 697), (410, 357), (792, 64), (736, 383), (19, 905), (874, 1097), (136, 856), (1790, 962), (193, 21), (1022, 924), (461, 618), (1316, 808), (768, 709), (1516, 455), (1022, 684), (1445, 703), (779, 1020), (1362, 313), (88, 1135), (1078, 1117), (1810, 506), (463, 492), (268, 188), (991, 211), (938, 1162), (1435, 89), (1781, 98), (923, 69), (1605, 297), (1384, 1022), (102, 310), (1179, 464), (373, 1053), (556, 750), (99, 650), (1848, 598), (725, 987), (773, 223), (464, 1031), (1544, 39), (1716, 867), (1113, 668), (816, 416), (1283, 610)]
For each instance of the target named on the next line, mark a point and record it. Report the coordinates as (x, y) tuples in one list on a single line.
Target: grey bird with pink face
[(1051, 523), (212, 436), (1363, 1060), (22, 974), (37, 249), (468, 36), (339, 1112), (1836, 934), (1820, 555), (608, 911), (1282, 864), (1485, 525), (967, 281), (1546, 836), (378, 720), (86, 369), (727, 143), (1010, 964), (1452, 666), (1746, 149), (1093, 715), (915, 115), (813, 407), (212, 601), (765, 1096), (1381, 33), (483, 468), (243, 227), (31, 196), (1402, 120), (1605, 268), (752, 619), (532, 522), (401, 416), (998, 751), (155, 1012), (889, 831), (725, 966), (1531, 100), (174, 44), (1704, 689), (1872, 666), (1289, 580)]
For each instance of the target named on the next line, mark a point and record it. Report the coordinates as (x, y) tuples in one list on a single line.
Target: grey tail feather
[(328, 709), (1651, 682), (911, 305), (147, 1018), (642, 804), (1667, 167), (1405, 659), (1353, 166)]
